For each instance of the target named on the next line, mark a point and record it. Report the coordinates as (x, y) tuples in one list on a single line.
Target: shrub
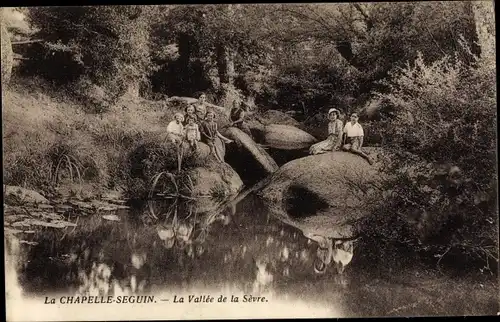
[(442, 133)]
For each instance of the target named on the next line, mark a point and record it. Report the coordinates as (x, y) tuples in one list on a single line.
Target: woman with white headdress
[(334, 139)]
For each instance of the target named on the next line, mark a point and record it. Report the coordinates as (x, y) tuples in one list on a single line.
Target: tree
[(226, 39), (7, 54), (375, 38), (108, 45)]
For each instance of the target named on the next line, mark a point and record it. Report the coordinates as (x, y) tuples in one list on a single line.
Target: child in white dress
[(192, 133)]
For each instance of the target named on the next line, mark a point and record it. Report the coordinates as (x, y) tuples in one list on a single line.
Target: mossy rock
[(151, 157), (217, 180)]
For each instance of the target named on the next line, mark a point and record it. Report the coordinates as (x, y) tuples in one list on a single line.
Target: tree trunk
[(185, 48), (484, 18), (7, 55), (225, 66), (133, 89), (183, 81), (132, 92)]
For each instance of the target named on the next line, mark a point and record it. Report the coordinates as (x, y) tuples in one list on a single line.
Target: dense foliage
[(440, 125)]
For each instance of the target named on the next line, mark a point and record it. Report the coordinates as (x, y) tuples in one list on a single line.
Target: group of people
[(348, 137), (196, 124)]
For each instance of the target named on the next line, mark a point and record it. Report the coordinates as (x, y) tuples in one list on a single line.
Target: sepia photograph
[(244, 161)]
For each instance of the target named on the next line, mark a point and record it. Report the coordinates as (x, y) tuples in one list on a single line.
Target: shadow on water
[(236, 245)]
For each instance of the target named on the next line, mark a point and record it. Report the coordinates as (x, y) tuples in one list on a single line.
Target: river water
[(236, 251)]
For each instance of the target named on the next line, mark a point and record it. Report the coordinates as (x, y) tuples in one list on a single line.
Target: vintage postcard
[(170, 162)]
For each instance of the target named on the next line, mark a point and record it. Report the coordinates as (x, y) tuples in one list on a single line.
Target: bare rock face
[(323, 194), (7, 55), (278, 130), (287, 137)]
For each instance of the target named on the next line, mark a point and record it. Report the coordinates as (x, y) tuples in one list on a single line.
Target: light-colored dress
[(332, 141), (175, 131), (192, 132)]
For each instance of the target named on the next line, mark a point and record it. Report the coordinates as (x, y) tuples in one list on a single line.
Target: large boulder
[(200, 156), (216, 180), (153, 157), (323, 194), (7, 54), (259, 121), (19, 195), (244, 141), (287, 137)]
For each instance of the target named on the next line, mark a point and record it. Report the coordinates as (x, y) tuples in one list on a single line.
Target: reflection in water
[(230, 246), (339, 252), (236, 245)]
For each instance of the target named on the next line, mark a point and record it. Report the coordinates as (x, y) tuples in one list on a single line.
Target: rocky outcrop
[(200, 156), (323, 194), (280, 131), (244, 141), (286, 137), (19, 195), (151, 158), (216, 180)]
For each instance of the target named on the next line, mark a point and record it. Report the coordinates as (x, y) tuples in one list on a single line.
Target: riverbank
[(51, 143)]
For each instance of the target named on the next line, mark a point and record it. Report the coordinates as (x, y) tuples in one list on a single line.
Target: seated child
[(190, 112), (175, 129), (192, 133)]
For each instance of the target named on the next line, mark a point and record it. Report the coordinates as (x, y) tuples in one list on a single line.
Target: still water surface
[(239, 247)]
